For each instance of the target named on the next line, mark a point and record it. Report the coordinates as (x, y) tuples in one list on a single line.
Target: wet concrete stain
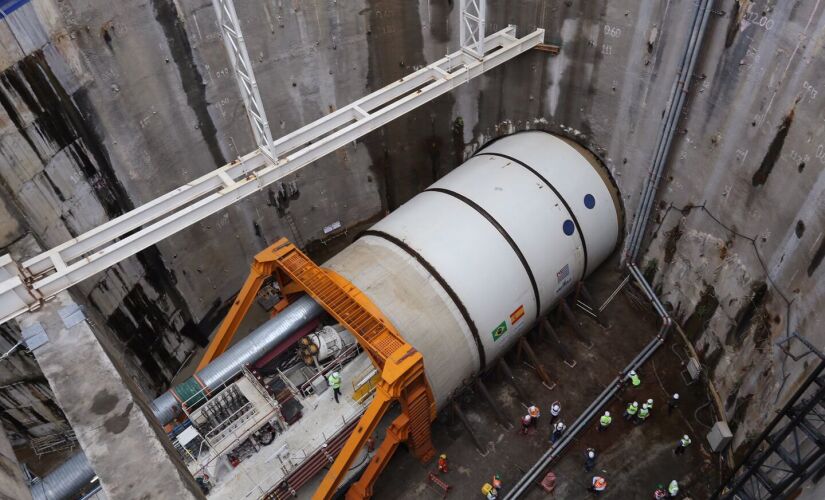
[(458, 139), (192, 82), (11, 82), (817, 258), (66, 123), (280, 199), (103, 402), (672, 238), (651, 268), (583, 76), (733, 24), (739, 412), (120, 422), (698, 320), (775, 148), (395, 49), (140, 323), (440, 19), (752, 313)]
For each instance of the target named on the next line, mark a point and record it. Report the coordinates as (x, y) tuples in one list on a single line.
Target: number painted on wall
[(758, 19), (612, 31), (809, 91)]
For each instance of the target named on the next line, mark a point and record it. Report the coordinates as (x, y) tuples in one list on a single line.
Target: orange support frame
[(263, 266), (400, 365)]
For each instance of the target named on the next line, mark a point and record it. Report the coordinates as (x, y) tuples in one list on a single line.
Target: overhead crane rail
[(25, 286)]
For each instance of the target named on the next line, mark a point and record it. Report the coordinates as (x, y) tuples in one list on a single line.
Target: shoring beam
[(24, 286)]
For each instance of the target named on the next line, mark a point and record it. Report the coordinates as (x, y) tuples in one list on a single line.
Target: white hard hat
[(334, 374), (675, 395), (685, 436), (635, 403), (632, 373), (607, 414), (591, 454), (650, 401)]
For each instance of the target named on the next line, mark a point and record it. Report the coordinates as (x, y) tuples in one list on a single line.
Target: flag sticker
[(517, 314), (499, 331), (563, 273)]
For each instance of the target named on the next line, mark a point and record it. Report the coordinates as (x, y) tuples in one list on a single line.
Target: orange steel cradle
[(401, 366)]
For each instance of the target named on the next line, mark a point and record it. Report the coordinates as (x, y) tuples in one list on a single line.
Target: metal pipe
[(76, 472), (677, 98), (265, 338), (63, 482)]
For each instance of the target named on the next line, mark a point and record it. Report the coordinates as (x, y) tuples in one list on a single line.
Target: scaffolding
[(790, 450)]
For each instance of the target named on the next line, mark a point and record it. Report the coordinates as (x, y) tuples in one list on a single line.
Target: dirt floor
[(633, 459)]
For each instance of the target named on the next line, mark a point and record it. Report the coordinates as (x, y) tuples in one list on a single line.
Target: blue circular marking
[(589, 201), (568, 227)]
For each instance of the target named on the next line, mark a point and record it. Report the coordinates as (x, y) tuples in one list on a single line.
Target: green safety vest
[(632, 409), (335, 382), (685, 442), (605, 420), (673, 488), (636, 381), (643, 413)]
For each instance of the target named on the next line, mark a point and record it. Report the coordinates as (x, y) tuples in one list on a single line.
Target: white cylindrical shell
[(467, 266)]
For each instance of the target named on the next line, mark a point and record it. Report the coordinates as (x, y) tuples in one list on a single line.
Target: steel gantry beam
[(24, 286), (471, 32), (233, 38)]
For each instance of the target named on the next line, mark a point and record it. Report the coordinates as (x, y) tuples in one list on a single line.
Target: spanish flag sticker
[(516, 315)]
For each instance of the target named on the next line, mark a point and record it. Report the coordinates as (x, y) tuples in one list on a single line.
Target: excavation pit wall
[(146, 94)]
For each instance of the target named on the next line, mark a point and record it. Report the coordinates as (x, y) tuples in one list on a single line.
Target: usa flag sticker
[(563, 273)]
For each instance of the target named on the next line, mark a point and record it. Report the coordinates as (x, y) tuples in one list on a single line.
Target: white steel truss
[(242, 67), (23, 287), (471, 32)]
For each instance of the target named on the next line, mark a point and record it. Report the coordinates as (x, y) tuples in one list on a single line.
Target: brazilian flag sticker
[(499, 331)]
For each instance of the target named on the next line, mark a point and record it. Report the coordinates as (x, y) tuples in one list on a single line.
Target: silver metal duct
[(256, 344), (76, 472), (63, 482)]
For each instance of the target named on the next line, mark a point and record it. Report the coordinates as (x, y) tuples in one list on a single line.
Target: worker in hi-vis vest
[(634, 378), (335, 382), (630, 411)]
